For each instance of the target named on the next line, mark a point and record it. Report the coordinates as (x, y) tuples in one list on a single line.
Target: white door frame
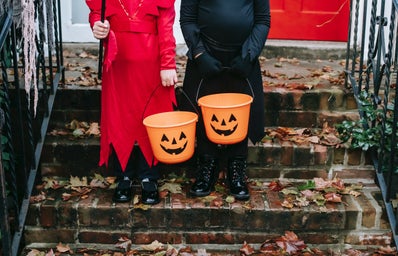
[(81, 32)]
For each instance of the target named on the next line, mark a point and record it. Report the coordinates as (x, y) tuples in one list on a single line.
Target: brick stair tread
[(262, 201), (181, 218)]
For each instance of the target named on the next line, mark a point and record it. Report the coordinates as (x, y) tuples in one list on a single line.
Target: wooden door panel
[(324, 20)]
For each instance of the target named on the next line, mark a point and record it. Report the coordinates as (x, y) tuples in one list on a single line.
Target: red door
[(322, 20)]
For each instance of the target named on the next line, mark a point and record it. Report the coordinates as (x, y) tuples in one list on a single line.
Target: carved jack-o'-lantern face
[(224, 126), (174, 145)]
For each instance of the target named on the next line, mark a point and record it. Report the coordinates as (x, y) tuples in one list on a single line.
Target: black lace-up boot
[(237, 178), (206, 176)]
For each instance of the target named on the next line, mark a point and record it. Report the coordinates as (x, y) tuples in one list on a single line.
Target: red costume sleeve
[(167, 43), (95, 11)]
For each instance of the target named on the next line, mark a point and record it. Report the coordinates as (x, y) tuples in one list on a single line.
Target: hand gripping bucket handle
[(226, 115)]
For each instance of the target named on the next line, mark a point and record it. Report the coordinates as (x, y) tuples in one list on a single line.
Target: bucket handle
[(180, 88), (149, 100), (201, 82)]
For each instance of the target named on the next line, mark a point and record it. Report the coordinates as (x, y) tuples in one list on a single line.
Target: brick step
[(282, 107), (63, 156), (180, 219)]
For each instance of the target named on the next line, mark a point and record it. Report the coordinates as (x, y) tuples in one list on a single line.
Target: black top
[(226, 23)]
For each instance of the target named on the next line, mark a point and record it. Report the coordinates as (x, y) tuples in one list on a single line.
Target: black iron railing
[(23, 123), (371, 68)]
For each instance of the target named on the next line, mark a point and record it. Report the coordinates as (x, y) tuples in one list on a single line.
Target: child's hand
[(168, 77), (101, 29)]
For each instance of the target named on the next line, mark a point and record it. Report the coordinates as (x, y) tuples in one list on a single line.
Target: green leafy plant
[(370, 130)]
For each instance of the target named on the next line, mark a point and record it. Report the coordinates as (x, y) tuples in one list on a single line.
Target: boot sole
[(240, 197), (195, 194)]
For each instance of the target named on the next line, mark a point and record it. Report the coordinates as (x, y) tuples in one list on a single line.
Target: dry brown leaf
[(217, 202), (154, 246), (38, 198), (333, 197), (63, 248), (50, 253), (124, 243), (33, 252), (77, 182), (93, 129), (66, 196)]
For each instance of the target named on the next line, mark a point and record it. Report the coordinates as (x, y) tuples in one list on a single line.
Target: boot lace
[(206, 169), (238, 171)]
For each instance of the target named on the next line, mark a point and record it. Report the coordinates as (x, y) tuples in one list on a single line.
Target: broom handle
[(101, 44)]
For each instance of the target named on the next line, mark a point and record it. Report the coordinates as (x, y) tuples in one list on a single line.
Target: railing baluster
[(25, 131), (381, 60)]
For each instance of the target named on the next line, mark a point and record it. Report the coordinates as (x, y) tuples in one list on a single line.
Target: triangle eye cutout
[(214, 118), (183, 136), (232, 118), (164, 138)]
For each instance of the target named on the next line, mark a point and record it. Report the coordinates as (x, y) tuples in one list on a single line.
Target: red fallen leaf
[(275, 186), (290, 236), (333, 197), (338, 183), (387, 251), (270, 248), (187, 249), (246, 249), (218, 202), (290, 243), (163, 193)]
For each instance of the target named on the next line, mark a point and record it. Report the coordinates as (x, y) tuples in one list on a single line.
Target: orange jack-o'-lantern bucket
[(172, 135), (226, 116)]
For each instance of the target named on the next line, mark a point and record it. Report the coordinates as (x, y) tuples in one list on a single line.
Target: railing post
[(377, 64), (5, 225)]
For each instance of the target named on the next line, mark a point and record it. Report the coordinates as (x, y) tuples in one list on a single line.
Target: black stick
[(101, 47)]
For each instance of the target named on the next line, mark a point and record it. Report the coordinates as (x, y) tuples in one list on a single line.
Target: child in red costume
[(139, 73)]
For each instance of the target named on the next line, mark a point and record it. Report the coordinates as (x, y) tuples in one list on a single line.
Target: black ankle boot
[(237, 178), (206, 176)]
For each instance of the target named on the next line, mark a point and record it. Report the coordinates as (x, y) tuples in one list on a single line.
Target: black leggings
[(137, 166)]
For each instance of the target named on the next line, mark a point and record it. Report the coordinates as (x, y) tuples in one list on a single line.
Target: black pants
[(137, 166)]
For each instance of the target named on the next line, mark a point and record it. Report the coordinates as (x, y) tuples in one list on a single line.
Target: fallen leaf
[(124, 243), (33, 252), (333, 197), (217, 202), (63, 248), (93, 130), (38, 198), (50, 253), (230, 199), (77, 182), (246, 249), (155, 245), (174, 188)]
